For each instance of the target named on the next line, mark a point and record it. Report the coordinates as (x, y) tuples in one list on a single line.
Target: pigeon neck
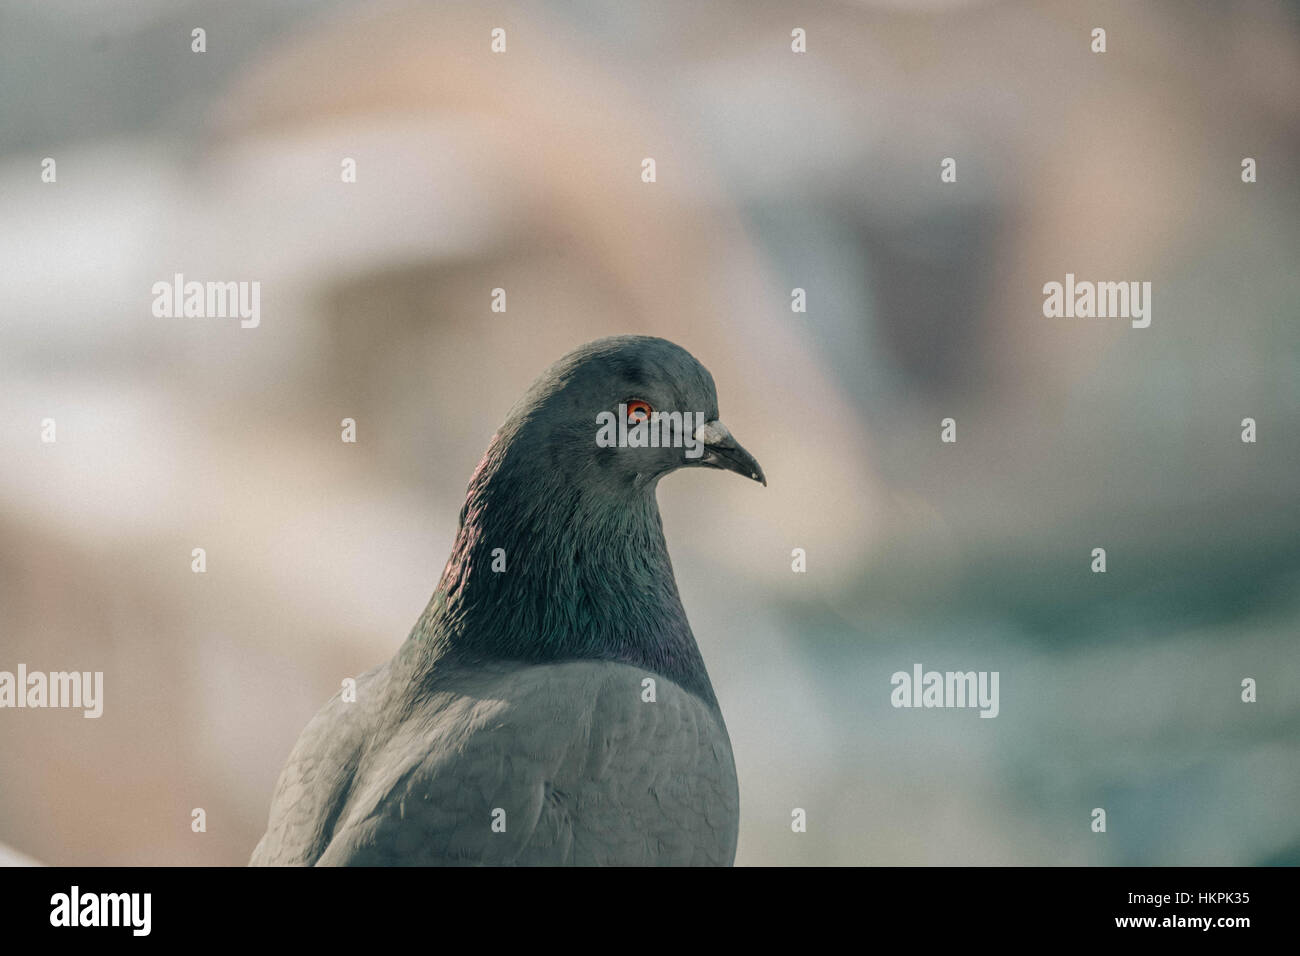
[(546, 572)]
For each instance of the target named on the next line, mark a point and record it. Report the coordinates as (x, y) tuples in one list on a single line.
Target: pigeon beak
[(723, 451)]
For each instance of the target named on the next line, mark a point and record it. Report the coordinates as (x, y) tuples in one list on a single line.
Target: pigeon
[(550, 706)]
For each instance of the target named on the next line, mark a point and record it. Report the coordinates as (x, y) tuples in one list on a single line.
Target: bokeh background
[(775, 171)]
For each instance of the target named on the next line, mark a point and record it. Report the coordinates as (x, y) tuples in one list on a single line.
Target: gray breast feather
[(567, 760)]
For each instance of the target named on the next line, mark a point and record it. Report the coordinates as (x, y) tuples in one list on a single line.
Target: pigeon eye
[(638, 410)]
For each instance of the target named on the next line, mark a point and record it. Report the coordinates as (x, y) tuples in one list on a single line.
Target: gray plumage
[(511, 726)]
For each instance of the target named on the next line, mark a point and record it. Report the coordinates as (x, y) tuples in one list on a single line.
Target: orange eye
[(638, 410)]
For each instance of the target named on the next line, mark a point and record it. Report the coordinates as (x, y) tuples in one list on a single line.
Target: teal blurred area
[(775, 171)]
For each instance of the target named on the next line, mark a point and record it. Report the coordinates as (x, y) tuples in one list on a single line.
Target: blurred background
[(775, 170)]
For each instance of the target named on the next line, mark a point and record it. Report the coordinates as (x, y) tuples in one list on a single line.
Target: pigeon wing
[(552, 764), (316, 782)]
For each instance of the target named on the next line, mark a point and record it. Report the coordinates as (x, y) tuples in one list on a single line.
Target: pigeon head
[(619, 413), (560, 553)]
